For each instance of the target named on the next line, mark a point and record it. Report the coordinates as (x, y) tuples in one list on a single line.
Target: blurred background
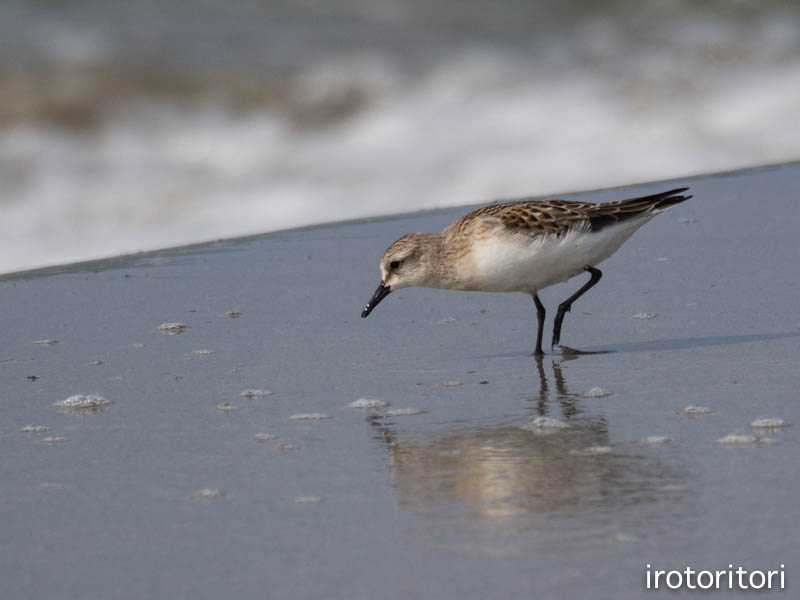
[(135, 125)]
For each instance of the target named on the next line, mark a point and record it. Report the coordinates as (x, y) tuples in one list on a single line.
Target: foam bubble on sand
[(769, 423), (263, 437), (403, 412), (448, 321), (255, 393), (644, 316), (367, 403), (695, 411), (663, 259), (35, 429), (83, 403), (306, 499), (309, 417), (136, 346), (50, 486), (592, 451), (596, 392), (737, 439), (286, 447), (233, 314), (450, 383), (656, 440), (172, 328), (202, 353), (545, 425), (53, 440), (208, 494), (226, 407), (46, 342)]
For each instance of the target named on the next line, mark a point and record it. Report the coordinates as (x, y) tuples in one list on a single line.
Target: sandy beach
[(228, 464)]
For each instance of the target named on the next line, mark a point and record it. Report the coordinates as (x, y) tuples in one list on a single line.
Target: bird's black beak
[(381, 293)]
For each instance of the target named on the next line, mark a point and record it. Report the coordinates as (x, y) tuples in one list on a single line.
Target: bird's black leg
[(540, 313), (565, 306)]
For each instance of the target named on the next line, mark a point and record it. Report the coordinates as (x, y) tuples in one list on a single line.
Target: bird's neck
[(443, 261)]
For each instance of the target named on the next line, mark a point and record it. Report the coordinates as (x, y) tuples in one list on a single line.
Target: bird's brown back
[(537, 217)]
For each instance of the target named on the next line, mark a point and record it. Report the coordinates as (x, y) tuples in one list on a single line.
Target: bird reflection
[(492, 472), (567, 402)]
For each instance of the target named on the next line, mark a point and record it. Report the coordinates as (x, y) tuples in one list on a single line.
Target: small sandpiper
[(523, 246)]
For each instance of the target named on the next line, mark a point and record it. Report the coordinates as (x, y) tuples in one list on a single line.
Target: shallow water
[(162, 495)]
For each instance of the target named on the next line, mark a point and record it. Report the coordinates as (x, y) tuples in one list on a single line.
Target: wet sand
[(165, 492)]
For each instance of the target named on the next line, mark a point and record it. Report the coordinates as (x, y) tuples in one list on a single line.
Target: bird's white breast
[(507, 261)]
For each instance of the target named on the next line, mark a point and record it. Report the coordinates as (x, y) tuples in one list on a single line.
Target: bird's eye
[(395, 264)]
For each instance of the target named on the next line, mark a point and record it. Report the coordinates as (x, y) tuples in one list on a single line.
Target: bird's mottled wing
[(543, 217), (534, 217)]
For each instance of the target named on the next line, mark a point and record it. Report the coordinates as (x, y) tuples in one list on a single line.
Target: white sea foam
[(695, 411), (172, 328), (656, 440), (769, 423), (735, 439), (306, 499), (545, 425), (35, 429), (208, 494), (83, 403), (255, 393), (596, 392), (403, 412), (53, 440), (367, 403), (466, 126), (309, 417)]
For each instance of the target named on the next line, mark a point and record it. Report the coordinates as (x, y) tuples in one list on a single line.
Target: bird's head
[(407, 262)]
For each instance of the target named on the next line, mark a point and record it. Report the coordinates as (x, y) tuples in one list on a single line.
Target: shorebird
[(522, 246)]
